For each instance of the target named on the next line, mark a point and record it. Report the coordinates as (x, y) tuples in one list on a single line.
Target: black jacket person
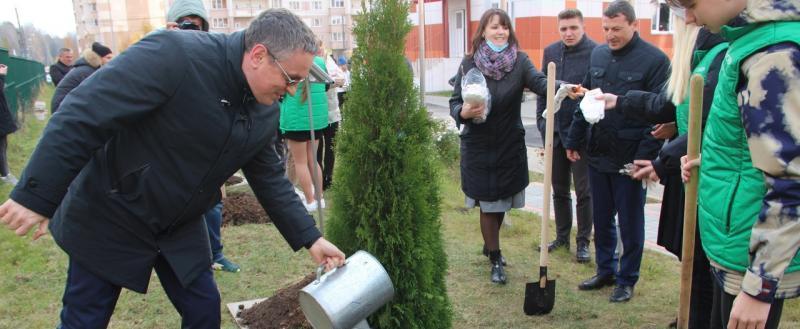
[(125, 173), (625, 62)]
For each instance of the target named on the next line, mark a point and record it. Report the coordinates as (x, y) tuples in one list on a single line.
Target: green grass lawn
[(34, 274)]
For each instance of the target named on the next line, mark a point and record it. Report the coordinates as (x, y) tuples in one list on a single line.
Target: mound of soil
[(281, 311), (233, 180), (242, 209)]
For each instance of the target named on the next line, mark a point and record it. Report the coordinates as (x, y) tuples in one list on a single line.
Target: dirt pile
[(242, 209), (281, 311)]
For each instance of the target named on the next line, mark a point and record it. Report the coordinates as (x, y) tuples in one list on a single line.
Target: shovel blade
[(538, 300)]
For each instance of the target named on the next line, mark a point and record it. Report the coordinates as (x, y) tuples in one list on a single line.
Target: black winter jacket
[(82, 70), (572, 64), (658, 108), (58, 71), (138, 151), (618, 139), (494, 161), (7, 122)]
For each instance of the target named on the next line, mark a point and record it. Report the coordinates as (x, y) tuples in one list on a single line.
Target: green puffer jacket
[(731, 189), (294, 112)]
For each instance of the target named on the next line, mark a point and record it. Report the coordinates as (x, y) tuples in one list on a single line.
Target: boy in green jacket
[(749, 197)]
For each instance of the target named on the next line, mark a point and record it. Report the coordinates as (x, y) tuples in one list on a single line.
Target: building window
[(337, 36), (219, 22), (337, 3), (662, 18), (337, 20), (276, 3), (316, 22), (294, 5), (218, 4), (316, 5), (93, 6)]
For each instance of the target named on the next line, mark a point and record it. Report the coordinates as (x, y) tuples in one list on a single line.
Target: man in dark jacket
[(91, 60), (625, 63), (62, 66), (571, 56), (8, 125), (137, 154)]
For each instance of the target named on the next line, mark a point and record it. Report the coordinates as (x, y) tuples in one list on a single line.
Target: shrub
[(386, 191)]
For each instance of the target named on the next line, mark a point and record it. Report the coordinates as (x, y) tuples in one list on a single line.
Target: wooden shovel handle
[(548, 160), (690, 202)]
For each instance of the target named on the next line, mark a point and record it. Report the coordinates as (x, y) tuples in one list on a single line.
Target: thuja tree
[(385, 181)]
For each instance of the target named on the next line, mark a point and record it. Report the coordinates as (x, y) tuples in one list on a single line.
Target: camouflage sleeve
[(769, 99)]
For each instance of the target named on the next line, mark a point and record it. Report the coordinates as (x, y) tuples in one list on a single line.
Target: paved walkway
[(438, 108)]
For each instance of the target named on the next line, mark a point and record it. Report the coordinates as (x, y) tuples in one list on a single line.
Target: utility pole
[(22, 44), (421, 26)]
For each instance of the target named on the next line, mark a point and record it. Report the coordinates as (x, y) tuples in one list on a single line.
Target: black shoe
[(498, 273), (486, 253), (597, 282), (582, 254), (621, 294), (555, 244)]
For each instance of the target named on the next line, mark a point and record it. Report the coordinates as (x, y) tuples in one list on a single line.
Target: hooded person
[(192, 10), (91, 60)]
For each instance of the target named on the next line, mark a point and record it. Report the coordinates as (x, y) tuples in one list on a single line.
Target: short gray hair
[(282, 32)]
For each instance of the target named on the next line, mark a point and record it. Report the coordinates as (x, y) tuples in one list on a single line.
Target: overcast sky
[(54, 17)]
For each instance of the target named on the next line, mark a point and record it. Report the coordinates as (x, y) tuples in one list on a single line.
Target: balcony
[(246, 12)]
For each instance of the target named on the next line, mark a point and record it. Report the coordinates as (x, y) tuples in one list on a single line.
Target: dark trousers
[(615, 194), (3, 156), (702, 299), (325, 153), (89, 300), (341, 98), (723, 303), (213, 218), (564, 172)]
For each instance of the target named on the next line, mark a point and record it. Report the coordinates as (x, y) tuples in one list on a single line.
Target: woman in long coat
[(494, 164)]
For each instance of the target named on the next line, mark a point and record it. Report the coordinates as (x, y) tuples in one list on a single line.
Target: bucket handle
[(321, 270)]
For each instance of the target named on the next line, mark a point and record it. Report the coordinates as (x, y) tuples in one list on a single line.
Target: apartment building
[(331, 20), (116, 23), (450, 25)]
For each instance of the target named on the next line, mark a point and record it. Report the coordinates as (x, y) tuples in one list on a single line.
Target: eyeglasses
[(289, 81)]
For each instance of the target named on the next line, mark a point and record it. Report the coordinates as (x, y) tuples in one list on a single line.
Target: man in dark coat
[(62, 66), (625, 63), (571, 56), (137, 154)]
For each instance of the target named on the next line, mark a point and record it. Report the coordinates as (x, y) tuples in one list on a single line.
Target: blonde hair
[(683, 40)]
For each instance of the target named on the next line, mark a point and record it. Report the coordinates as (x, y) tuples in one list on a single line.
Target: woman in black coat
[(7, 125), (494, 164), (90, 61)]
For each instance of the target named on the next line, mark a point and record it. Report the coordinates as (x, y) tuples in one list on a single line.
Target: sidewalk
[(438, 107)]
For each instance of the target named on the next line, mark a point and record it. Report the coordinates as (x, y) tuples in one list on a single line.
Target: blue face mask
[(497, 49)]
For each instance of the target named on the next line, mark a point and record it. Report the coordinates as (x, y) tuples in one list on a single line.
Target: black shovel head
[(538, 300)]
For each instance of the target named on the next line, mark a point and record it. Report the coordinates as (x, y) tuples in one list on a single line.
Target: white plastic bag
[(593, 109), (475, 92)]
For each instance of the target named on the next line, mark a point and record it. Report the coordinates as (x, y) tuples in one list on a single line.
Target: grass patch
[(443, 93), (34, 273)]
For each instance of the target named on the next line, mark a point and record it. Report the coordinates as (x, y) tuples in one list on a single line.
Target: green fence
[(23, 81)]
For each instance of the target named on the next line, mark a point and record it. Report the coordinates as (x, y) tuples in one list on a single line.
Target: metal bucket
[(343, 297)]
